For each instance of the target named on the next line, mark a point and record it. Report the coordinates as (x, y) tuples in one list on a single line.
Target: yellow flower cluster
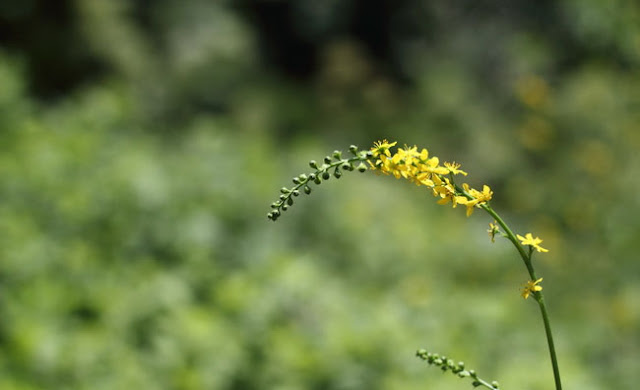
[(417, 167)]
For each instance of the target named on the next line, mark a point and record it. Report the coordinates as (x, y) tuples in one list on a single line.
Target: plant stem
[(512, 237), (547, 329), (526, 257)]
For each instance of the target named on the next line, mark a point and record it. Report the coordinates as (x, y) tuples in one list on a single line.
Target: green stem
[(512, 237), (526, 257), (552, 348)]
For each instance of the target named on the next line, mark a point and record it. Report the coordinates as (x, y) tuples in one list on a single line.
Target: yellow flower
[(382, 147), (432, 165), (529, 240), (531, 287), (408, 154), (447, 193), (478, 197), (394, 166), (453, 168), (483, 196)]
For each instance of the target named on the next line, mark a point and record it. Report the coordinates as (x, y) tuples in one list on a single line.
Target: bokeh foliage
[(135, 250)]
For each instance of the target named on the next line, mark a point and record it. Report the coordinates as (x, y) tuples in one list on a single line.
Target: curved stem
[(512, 237), (552, 348), (526, 257)]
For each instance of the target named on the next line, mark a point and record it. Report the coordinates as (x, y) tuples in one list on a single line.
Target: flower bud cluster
[(419, 168), (334, 165), (458, 369)]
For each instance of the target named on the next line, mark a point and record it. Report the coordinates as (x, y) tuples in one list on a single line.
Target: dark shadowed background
[(141, 143)]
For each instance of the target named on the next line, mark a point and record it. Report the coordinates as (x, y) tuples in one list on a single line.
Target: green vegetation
[(135, 251)]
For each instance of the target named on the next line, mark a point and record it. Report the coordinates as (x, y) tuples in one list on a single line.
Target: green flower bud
[(317, 180), (463, 374), (337, 173), (476, 384), (495, 384), (337, 154), (284, 207), (326, 175), (296, 193), (303, 177), (290, 201), (353, 149), (283, 197), (307, 190), (327, 160), (313, 164), (346, 166), (312, 177), (296, 181), (284, 190)]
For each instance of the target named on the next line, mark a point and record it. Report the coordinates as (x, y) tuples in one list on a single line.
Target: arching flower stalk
[(418, 167)]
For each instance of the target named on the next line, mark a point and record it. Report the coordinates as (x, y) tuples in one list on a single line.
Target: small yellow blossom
[(531, 287), (478, 197), (529, 240), (432, 165), (395, 166), (382, 148), (483, 196), (423, 178), (447, 193), (453, 168)]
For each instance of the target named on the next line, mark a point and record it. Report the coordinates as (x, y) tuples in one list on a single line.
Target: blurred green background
[(143, 141)]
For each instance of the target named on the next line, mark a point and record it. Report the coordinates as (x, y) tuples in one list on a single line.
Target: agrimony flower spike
[(418, 167), (424, 170)]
